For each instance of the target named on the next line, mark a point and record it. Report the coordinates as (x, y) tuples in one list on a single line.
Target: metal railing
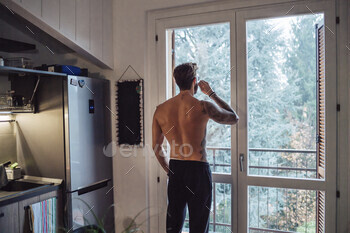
[(214, 153), (215, 164), (263, 230)]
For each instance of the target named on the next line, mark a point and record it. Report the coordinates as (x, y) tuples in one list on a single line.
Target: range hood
[(12, 46)]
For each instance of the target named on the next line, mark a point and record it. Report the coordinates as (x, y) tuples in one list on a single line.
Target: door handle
[(241, 159), (93, 187)]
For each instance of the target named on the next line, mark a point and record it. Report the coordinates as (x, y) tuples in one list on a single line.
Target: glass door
[(287, 130), (207, 41)]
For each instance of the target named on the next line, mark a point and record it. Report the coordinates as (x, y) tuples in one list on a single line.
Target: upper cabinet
[(96, 32), (82, 23), (107, 29), (86, 26), (67, 19)]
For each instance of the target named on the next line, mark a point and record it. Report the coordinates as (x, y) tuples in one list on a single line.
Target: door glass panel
[(281, 82), (281, 210), (209, 47)]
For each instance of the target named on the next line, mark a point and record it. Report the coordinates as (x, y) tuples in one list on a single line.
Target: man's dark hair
[(184, 75)]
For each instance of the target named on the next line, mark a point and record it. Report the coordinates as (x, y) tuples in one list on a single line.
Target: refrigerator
[(65, 139), (88, 171)]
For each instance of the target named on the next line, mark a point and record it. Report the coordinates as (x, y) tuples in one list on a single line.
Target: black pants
[(189, 184)]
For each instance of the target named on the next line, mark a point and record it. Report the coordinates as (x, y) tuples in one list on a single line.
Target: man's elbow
[(235, 119)]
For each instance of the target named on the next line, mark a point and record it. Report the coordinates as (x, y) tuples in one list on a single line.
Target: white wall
[(130, 34)]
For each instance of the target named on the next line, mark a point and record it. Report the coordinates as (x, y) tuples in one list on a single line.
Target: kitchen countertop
[(48, 185)]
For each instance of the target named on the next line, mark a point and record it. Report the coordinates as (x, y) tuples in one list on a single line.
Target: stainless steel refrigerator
[(88, 171), (65, 140)]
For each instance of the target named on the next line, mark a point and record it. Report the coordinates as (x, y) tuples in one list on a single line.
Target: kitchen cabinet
[(9, 218), (86, 26), (50, 13), (83, 23), (33, 6), (96, 15), (67, 18), (23, 213), (107, 49)]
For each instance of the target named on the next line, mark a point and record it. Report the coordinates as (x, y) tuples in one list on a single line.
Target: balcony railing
[(263, 230), (215, 164)]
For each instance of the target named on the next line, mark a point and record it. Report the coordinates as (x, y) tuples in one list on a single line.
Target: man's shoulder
[(162, 105)]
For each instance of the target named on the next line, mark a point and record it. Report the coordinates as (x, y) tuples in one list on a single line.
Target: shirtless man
[(183, 120)]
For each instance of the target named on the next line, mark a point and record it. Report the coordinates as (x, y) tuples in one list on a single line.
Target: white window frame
[(157, 190), (244, 180)]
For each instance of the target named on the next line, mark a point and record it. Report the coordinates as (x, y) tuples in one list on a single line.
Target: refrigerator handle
[(92, 187)]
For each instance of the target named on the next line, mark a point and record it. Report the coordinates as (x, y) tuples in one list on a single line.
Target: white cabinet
[(83, 23), (96, 27), (107, 49), (85, 26), (50, 12), (33, 6), (67, 18), (45, 10), (9, 218)]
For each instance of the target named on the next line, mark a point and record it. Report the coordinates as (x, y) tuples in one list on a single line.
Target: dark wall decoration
[(129, 105)]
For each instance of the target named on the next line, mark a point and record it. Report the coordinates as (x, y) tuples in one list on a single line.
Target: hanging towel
[(42, 216)]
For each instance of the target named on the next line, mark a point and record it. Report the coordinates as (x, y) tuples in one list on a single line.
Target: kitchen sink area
[(18, 198), (16, 186), (26, 187)]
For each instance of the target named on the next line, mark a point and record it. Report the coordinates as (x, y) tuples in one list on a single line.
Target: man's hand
[(223, 114), (205, 87)]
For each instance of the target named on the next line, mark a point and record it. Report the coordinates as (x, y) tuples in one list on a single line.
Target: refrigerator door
[(92, 207), (89, 131)]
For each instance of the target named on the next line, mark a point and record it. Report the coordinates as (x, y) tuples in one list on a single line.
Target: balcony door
[(275, 171), (287, 130), (207, 40)]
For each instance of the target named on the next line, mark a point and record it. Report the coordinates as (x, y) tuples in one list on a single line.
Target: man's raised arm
[(222, 112)]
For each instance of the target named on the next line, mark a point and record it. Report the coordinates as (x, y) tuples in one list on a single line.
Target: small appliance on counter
[(13, 171)]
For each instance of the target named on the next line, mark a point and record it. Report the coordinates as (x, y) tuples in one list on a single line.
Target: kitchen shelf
[(7, 70), (22, 71), (11, 110)]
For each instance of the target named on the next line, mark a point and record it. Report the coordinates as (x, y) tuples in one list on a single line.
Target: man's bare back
[(182, 120)]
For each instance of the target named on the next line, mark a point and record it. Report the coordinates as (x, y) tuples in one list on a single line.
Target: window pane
[(209, 47), (283, 210), (281, 81)]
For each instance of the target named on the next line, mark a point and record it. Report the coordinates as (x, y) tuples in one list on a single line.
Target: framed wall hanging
[(130, 110)]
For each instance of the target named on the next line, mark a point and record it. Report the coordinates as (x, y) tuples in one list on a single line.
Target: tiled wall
[(7, 140)]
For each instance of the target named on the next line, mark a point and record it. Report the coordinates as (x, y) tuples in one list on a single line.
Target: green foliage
[(133, 226), (99, 226), (99, 223), (209, 47), (281, 95)]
